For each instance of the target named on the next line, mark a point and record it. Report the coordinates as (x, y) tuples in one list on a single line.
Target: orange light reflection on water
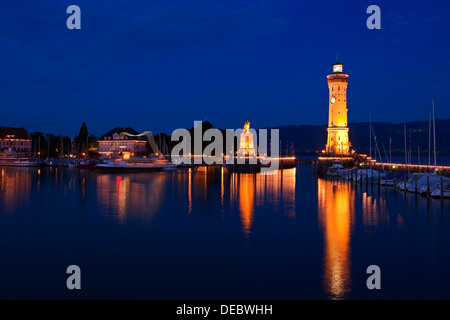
[(15, 188), (190, 191), (252, 191), (246, 201), (336, 217), (131, 196)]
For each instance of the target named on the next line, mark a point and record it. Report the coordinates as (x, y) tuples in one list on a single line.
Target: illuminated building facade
[(14, 140), (337, 141), (112, 145)]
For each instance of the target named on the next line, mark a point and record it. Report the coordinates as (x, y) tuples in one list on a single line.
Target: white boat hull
[(21, 164), (133, 165)]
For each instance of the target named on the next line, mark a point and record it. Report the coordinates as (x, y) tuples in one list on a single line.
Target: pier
[(325, 162), (426, 180), (249, 165)]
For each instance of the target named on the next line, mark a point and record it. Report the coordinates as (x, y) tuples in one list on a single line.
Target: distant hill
[(309, 139)]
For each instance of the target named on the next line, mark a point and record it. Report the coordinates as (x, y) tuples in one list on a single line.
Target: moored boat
[(336, 170), (87, 164), (428, 181), (20, 161), (135, 165), (391, 179), (440, 192)]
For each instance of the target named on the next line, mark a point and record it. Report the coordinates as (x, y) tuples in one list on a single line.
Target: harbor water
[(197, 234)]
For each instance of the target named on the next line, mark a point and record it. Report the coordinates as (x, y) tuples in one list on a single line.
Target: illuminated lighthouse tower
[(337, 142)]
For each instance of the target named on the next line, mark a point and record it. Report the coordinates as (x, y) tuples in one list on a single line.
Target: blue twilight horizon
[(159, 65)]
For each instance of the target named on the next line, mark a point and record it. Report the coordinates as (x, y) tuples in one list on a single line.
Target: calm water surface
[(216, 235)]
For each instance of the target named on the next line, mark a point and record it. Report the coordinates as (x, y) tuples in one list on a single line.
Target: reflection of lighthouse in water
[(336, 216)]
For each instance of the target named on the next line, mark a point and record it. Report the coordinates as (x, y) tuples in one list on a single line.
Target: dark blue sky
[(160, 65)]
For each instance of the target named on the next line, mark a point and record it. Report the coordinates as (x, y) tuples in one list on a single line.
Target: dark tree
[(82, 139)]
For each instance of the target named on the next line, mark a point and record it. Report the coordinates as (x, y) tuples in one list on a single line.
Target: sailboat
[(441, 191)]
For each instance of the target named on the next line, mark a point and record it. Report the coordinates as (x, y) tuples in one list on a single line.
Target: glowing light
[(402, 165), (126, 155), (190, 191), (246, 126), (246, 202), (337, 141), (335, 158)]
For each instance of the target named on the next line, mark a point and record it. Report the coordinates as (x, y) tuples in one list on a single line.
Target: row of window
[(338, 138), (104, 147), (10, 143), (332, 123), (17, 149), (339, 88), (115, 138), (115, 143)]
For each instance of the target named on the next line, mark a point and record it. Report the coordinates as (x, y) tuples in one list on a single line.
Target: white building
[(109, 145), (15, 140)]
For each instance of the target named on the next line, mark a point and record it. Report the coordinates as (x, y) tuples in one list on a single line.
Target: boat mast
[(406, 157), (370, 137), (164, 146), (418, 156), (48, 146), (160, 146), (377, 149), (429, 139), (410, 147), (390, 149), (87, 146), (434, 138)]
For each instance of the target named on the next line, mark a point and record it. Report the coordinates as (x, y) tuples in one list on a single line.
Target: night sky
[(160, 65)]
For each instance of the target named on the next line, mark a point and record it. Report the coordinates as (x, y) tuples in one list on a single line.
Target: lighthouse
[(337, 141)]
